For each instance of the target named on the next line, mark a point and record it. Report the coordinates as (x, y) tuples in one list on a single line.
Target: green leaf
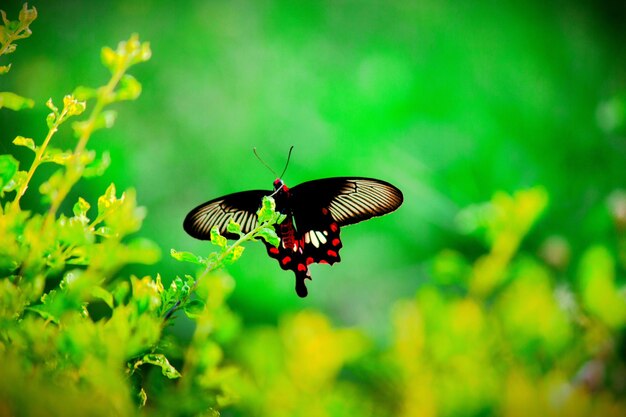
[(72, 106), (105, 120), (80, 211), (187, 257), (14, 102), (56, 156), (267, 210), (194, 308), (143, 251), (27, 142), (158, 359), (84, 93), (234, 254), (107, 201), (8, 169), (51, 106), (269, 235), (600, 294), (16, 182), (129, 88), (104, 295), (4, 69), (49, 188), (218, 239), (98, 166), (110, 58), (233, 227)]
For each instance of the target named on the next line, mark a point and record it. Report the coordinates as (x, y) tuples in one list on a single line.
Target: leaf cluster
[(69, 319)]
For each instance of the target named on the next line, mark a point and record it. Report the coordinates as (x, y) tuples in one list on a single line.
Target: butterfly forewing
[(241, 207), (349, 199)]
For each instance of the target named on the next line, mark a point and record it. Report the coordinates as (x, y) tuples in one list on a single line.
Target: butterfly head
[(279, 185)]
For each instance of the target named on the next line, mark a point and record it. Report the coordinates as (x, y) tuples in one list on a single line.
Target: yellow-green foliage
[(76, 337)]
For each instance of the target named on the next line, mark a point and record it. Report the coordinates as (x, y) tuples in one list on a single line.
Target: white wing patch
[(315, 237)]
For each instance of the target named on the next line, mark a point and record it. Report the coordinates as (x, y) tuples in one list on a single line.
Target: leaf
[(4, 69), (49, 188), (8, 169), (56, 156), (600, 294), (158, 359), (84, 93), (269, 235), (233, 227), (98, 166), (80, 211), (129, 88), (187, 257), (16, 182), (104, 295), (14, 102), (27, 15), (218, 239), (27, 142), (194, 308), (234, 254), (105, 120), (72, 106), (51, 106), (143, 251), (107, 200), (267, 210), (109, 57)]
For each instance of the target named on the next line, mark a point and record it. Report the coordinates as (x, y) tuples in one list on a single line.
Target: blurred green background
[(450, 101)]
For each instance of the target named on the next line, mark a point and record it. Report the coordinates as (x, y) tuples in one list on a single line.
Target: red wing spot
[(336, 242), (309, 260), (301, 267), (324, 211), (334, 227), (274, 250), (286, 260), (323, 261), (332, 253)]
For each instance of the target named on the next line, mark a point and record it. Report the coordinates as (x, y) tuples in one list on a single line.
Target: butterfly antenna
[(287, 164), (263, 162)]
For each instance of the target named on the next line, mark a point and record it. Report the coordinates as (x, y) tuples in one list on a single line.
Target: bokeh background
[(453, 102)]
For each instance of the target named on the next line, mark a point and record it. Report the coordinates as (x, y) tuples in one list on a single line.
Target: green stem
[(212, 266), (75, 168), (39, 157)]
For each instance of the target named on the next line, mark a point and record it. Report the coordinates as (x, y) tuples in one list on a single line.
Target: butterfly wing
[(241, 207), (349, 199)]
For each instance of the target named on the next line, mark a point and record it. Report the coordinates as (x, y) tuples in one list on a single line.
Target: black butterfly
[(315, 212)]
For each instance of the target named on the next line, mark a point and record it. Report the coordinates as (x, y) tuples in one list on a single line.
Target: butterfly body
[(315, 211)]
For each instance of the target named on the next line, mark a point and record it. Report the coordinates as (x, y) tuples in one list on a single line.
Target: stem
[(13, 36), (212, 266), (38, 157), (75, 168)]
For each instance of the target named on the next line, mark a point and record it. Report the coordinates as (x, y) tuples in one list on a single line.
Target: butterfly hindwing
[(299, 247)]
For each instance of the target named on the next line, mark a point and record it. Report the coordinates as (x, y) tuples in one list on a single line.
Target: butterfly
[(315, 211)]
